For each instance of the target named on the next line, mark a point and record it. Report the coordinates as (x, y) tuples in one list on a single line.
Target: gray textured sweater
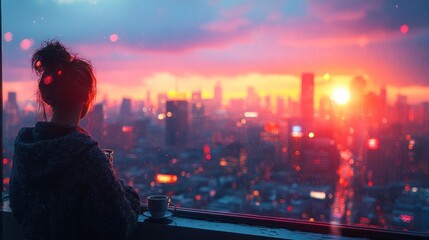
[(64, 187)]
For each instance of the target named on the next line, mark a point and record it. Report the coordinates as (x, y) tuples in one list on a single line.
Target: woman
[(62, 184)]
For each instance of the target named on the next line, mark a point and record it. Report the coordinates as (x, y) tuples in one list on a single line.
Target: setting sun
[(341, 96)]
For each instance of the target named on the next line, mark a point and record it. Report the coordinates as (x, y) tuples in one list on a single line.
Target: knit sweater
[(64, 187)]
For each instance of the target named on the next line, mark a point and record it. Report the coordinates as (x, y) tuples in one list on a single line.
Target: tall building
[(218, 95), (357, 94), (176, 124), (280, 106), (198, 118), (162, 100), (96, 122), (307, 101), (11, 118), (126, 114), (253, 100)]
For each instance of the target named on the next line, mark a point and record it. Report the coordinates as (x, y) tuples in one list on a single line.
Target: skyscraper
[(126, 115), (11, 117), (307, 101), (176, 124), (162, 100), (357, 91), (218, 95), (96, 122)]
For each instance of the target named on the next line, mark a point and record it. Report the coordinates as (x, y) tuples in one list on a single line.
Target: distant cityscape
[(365, 162)]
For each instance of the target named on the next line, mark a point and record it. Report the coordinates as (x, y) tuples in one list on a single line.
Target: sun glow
[(341, 96)]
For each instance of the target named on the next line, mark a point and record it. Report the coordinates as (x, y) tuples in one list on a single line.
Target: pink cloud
[(225, 25)]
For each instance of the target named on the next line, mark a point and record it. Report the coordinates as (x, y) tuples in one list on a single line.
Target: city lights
[(373, 143), (251, 114), (166, 178), (317, 195), (325, 124)]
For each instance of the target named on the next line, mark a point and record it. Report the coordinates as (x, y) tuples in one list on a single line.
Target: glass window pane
[(311, 110)]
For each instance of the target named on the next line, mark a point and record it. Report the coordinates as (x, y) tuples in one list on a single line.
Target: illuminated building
[(126, 114), (280, 106), (383, 158), (11, 118), (162, 100), (357, 91), (218, 95), (307, 101), (96, 123), (253, 100), (296, 143), (198, 118), (176, 123)]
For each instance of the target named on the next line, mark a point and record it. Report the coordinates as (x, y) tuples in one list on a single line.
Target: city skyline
[(239, 44)]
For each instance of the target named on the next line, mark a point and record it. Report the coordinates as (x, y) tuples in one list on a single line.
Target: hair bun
[(50, 57)]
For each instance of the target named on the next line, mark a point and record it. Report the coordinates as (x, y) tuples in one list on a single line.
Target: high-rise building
[(307, 101), (96, 122), (280, 106), (218, 95), (11, 117), (162, 100), (126, 114), (253, 100), (176, 124), (198, 118), (357, 94)]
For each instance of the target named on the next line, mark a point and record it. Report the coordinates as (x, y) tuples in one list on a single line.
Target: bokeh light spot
[(8, 36), (404, 28), (47, 80), (26, 44), (114, 37), (326, 76), (59, 72)]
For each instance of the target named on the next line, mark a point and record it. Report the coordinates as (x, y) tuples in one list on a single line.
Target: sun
[(341, 96)]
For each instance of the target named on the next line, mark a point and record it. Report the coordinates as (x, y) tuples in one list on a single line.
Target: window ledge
[(193, 224)]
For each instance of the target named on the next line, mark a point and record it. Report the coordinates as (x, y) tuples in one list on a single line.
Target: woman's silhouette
[(62, 184)]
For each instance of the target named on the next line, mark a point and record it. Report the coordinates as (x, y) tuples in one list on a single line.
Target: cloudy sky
[(166, 45)]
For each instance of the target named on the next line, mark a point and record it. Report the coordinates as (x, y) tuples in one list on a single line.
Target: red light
[(5, 161), (198, 197), (316, 161), (208, 156), (6, 180), (373, 143), (407, 188), (404, 28), (370, 184), (406, 218), (127, 129), (8, 36), (166, 178), (47, 80), (272, 127), (114, 37), (289, 208), (26, 44), (206, 149)]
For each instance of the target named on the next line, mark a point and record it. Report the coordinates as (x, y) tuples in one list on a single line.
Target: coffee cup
[(158, 205)]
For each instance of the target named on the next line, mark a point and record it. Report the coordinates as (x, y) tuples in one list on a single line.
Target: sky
[(182, 46)]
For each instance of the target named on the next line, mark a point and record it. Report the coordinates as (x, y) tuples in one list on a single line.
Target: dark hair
[(65, 80)]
